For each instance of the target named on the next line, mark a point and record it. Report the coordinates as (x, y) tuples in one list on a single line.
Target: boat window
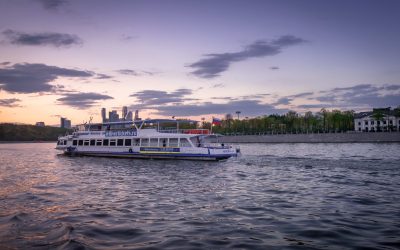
[(120, 142), (173, 142), (65, 142), (105, 142), (137, 142), (196, 141), (80, 142), (75, 142), (86, 143), (153, 142), (92, 142), (185, 142), (98, 142), (128, 142), (163, 142), (144, 142), (112, 142)]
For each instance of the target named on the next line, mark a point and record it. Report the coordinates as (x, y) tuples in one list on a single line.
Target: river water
[(275, 196)]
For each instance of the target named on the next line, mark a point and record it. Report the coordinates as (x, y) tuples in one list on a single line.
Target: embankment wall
[(315, 138)]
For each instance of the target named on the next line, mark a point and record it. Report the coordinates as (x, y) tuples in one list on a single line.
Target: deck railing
[(186, 131)]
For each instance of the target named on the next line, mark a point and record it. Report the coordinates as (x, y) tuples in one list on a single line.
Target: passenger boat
[(146, 139)]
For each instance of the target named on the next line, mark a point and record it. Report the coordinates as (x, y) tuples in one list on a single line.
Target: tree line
[(13, 132), (324, 121)]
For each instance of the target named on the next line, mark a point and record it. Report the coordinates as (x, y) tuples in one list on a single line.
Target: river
[(274, 196)]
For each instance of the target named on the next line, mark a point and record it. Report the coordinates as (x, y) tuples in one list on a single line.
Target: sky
[(194, 59)]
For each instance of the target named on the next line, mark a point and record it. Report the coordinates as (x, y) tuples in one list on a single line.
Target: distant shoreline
[(381, 137), (3, 142), (315, 138)]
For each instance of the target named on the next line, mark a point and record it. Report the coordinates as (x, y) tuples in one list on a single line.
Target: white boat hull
[(204, 153)]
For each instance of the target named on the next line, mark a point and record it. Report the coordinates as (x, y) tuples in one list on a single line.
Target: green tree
[(325, 116)]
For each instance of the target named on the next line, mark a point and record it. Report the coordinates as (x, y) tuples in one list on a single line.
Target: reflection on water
[(274, 196)]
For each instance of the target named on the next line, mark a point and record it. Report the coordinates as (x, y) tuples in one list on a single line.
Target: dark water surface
[(275, 196)]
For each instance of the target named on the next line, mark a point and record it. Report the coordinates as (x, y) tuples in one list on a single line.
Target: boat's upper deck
[(149, 128)]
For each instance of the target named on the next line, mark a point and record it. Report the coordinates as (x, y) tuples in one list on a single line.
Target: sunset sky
[(193, 59)]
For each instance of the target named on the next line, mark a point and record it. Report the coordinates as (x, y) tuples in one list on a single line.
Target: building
[(65, 123), (113, 116), (40, 124), (124, 112), (103, 115), (137, 118), (129, 116), (382, 119)]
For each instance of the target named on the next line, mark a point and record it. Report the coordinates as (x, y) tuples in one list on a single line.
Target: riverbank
[(29, 133), (314, 138), (3, 142)]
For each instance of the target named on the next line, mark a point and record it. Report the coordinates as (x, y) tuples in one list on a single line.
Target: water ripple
[(283, 196)]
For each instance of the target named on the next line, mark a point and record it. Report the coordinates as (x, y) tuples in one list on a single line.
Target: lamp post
[(238, 113)]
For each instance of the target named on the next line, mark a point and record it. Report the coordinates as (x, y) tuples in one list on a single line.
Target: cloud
[(218, 85), (247, 107), (125, 37), (42, 39), (82, 100), (135, 72), (304, 94), (224, 98), (128, 72), (392, 87), (33, 78), (103, 76), (214, 64), (10, 103), (52, 4), (314, 106), (179, 103), (151, 98), (242, 97), (361, 96), (283, 101), (359, 87)]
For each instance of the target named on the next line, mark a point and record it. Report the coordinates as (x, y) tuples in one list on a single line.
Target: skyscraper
[(62, 122), (103, 115), (124, 112), (129, 116), (65, 123), (137, 115), (113, 116)]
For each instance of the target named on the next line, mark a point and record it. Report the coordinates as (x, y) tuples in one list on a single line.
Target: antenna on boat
[(211, 125), (90, 121)]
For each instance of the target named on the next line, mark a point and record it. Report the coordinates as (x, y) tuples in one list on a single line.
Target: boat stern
[(223, 152)]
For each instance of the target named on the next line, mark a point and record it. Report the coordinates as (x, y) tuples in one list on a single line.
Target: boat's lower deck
[(192, 153), (135, 155)]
